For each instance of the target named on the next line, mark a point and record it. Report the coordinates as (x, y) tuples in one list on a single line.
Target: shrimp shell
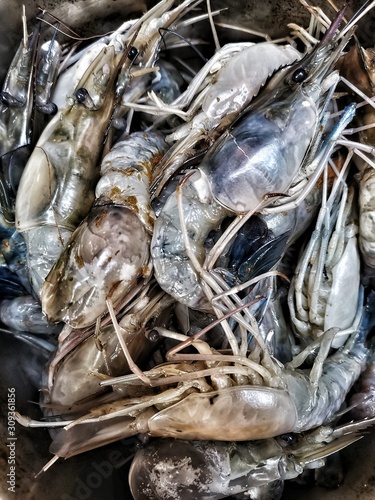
[(57, 186), (366, 216), (109, 251)]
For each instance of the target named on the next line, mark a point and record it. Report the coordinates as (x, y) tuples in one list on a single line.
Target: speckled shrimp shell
[(109, 251)]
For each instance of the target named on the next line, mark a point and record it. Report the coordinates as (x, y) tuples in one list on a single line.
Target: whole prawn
[(51, 204), (109, 250), (320, 296), (170, 469), (85, 358), (259, 155), (16, 109), (302, 402), (217, 94), (25, 103)]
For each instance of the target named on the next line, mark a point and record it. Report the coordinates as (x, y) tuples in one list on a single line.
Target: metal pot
[(96, 475)]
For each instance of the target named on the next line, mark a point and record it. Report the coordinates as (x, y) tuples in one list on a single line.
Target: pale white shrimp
[(16, 109), (260, 155), (226, 85), (324, 291)]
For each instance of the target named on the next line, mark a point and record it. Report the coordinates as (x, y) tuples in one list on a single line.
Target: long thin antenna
[(24, 26)]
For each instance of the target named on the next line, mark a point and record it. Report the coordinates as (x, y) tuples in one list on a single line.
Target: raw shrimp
[(237, 384), (195, 410), (245, 412), (258, 156), (15, 121), (230, 81), (326, 285), (209, 470), (51, 203), (109, 251), (75, 373)]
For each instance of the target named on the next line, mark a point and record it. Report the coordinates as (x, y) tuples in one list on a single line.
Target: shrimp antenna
[(44, 11), (212, 24), (366, 7), (74, 35), (334, 6), (24, 26), (198, 52)]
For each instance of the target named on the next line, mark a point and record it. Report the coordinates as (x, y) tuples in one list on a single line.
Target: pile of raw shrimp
[(189, 230)]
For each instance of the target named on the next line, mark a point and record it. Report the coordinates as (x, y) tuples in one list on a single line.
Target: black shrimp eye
[(48, 109), (299, 75), (10, 100), (287, 439), (81, 94), (153, 335), (133, 53)]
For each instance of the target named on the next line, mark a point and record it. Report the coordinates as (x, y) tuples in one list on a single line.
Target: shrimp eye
[(133, 53), (287, 439), (48, 109), (81, 94), (153, 335), (299, 75), (10, 100)]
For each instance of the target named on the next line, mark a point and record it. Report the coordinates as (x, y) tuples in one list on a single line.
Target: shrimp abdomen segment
[(108, 251), (173, 270), (232, 414)]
